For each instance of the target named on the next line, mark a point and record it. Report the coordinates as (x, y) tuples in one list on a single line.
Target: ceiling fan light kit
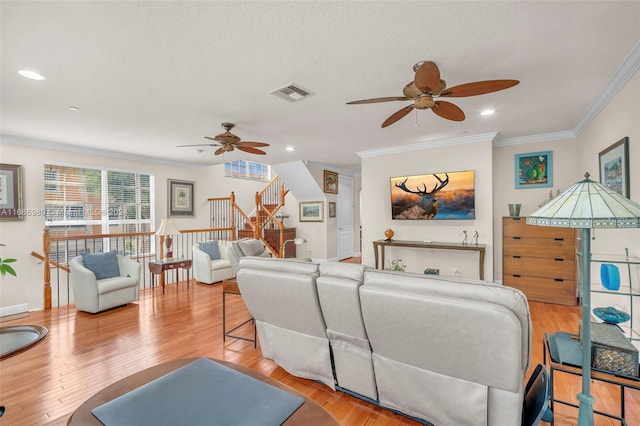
[(427, 87), (228, 142)]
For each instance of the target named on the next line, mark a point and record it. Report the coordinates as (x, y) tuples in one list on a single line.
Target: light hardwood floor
[(83, 353)]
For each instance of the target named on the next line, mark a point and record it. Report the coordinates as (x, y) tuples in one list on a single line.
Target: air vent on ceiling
[(292, 92)]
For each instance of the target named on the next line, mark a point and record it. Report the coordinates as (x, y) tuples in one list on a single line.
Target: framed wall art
[(330, 182), (614, 167), (534, 170), (332, 209), (11, 185), (311, 211), (180, 196)]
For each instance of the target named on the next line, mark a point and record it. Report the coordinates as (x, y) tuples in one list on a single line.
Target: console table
[(379, 247)]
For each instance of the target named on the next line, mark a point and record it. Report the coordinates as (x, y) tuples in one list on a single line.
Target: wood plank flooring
[(84, 353)]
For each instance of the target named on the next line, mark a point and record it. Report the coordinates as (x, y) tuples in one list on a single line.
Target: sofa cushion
[(252, 247), (211, 248), (103, 265)]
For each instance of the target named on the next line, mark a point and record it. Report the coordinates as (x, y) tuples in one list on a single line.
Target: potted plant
[(5, 267), (397, 265)]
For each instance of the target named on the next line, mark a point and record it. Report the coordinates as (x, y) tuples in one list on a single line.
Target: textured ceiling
[(148, 76)]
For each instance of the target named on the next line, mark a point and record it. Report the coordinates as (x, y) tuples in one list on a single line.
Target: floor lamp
[(297, 241), (584, 206)]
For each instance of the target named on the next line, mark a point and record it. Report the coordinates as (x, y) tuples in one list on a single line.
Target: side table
[(158, 267), (231, 287), (566, 358)]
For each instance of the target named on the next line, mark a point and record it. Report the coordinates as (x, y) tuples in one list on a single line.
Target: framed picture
[(614, 167), (534, 170), (11, 207), (330, 182), (180, 196), (311, 211), (332, 209)]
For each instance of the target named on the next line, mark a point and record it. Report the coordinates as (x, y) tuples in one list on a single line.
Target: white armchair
[(96, 295), (207, 270)]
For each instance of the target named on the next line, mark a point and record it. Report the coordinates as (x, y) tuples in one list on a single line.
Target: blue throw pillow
[(211, 248), (103, 265)]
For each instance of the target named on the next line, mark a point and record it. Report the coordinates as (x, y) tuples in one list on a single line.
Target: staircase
[(224, 212)]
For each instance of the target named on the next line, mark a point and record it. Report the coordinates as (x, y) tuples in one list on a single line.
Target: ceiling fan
[(427, 86), (227, 142)]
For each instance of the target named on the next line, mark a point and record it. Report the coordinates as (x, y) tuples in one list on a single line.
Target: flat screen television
[(434, 196)]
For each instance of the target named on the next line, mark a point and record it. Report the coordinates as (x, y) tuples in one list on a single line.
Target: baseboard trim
[(8, 313)]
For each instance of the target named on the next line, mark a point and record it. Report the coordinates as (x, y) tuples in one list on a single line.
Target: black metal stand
[(228, 333)]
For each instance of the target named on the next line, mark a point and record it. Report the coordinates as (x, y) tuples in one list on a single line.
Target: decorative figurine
[(464, 232), (389, 234), (475, 237)]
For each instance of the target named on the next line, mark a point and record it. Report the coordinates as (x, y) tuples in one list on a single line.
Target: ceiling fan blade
[(478, 88), (199, 144), (251, 150), (427, 77), (252, 144), (220, 150), (397, 116), (448, 110), (376, 100)]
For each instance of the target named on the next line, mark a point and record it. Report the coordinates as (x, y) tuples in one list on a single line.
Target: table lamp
[(297, 241), (167, 229), (586, 205)]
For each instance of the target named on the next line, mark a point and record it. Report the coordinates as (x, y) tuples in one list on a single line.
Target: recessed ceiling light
[(488, 112), (74, 108), (31, 74), (290, 148)]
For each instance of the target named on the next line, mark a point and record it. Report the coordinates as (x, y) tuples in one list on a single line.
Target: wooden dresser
[(539, 260)]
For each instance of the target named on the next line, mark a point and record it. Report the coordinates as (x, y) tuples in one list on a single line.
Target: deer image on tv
[(437, 196)]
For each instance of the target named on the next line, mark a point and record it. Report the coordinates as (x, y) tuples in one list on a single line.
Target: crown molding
[(37, 143), (484, 137), (542, 137), (623, 74)]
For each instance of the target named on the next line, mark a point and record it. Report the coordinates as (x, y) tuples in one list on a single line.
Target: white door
[(345, 210)]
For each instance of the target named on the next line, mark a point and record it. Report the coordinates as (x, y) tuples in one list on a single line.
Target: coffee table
[(309, 413)]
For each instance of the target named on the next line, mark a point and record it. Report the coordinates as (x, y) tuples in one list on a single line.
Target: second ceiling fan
[(427, 86), (227, 142)]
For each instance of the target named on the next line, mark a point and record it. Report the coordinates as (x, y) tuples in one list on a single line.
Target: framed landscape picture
[(180, 196), (311, 211), (11, 207), (534, 170), (614, 167)]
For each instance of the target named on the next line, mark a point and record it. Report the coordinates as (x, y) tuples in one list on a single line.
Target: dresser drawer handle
[(517, 257), (560, 280), (517, 238), (517, 276), (558, 239), (182, 264), (557, 259)]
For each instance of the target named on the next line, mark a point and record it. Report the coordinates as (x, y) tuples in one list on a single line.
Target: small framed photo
[(11, 207), (330, 182), (332, 209), (534, 170), (180, 197), (311, 211), (614, 167)]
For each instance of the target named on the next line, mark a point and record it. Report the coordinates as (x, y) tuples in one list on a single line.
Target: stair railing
[(268, 202)]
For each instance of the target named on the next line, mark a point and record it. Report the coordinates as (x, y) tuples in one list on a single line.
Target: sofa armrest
[(201, 265), (129, 267)]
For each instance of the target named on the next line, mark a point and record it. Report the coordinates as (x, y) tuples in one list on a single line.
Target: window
[(247, 170), (83, 202)]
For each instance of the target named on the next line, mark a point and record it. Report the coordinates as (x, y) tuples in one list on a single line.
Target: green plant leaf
[(6, 269)]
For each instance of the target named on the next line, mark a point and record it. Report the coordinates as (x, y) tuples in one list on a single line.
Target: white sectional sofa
[(440, 350)]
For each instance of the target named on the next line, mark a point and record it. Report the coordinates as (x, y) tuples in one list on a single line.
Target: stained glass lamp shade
[(587, 205)]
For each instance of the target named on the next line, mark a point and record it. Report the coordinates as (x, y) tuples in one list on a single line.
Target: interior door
[(345, 210)]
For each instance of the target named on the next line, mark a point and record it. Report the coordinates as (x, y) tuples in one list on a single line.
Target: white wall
[(457, 155), (566, 172)]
